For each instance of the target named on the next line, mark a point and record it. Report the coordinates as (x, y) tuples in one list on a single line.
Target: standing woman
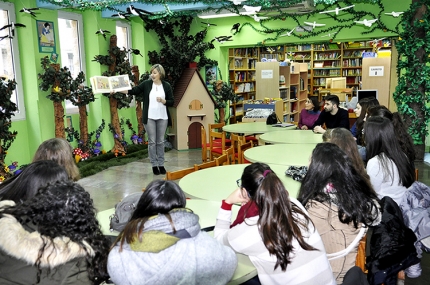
[(310, 113), (390, 170), (274, 230), (156, 95)]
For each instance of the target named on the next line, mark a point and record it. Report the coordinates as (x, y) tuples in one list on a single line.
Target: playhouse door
[(194, 140)]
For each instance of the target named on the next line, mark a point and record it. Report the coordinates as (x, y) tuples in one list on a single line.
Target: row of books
[(326, 46), (329, 72), (326, 55), (299, 48), (351, 72), (245, 52), (352, 62), (244, 87), (244, 76), (354, 53), (248, 63), (276, 56)]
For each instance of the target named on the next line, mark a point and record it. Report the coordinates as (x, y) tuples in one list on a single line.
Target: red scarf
[(248, 210)]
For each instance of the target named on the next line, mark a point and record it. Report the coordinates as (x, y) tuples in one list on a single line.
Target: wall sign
[(376, 71), (267, 74)]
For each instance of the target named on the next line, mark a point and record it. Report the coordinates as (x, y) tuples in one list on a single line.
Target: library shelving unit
[(242, 63), (301, 54), (327, 62), (274, 52), (352, 63)]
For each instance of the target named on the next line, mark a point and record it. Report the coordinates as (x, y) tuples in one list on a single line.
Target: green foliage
[(118, 57), (7, 109), (412, 92), (178, 48), (81, 95), (88, 146), (222, 93)]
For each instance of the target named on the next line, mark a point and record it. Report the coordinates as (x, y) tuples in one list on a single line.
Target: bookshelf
[(242, 63)]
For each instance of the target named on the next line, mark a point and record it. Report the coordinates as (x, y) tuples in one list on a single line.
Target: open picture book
[(107, 84)]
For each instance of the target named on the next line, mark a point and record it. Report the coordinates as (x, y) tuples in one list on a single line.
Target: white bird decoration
[(288, 33), (367, 23), (270, 49), (252, 9), (314, 24), (337, 10), (329, 35), (394, 14), (237, 2), (257, 19)]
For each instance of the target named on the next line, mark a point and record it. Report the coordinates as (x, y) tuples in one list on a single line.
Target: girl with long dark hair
[(390, 170), (53, 238), (339, 200), (360, 111), (274, 230), (163, 244)]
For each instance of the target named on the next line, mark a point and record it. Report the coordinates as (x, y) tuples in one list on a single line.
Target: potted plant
[(222, 94)]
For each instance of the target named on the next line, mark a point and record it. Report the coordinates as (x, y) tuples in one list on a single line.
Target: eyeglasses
[(238, 182)]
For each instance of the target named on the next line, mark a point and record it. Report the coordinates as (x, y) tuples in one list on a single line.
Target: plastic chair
[(173, 175)]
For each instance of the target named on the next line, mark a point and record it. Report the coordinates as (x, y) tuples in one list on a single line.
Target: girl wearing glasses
[(274, 230), (310, 113)]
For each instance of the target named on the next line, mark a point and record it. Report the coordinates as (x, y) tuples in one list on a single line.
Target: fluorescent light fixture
[(223, 13)]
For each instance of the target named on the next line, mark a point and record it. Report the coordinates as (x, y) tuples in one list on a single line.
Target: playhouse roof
[(181, 85)]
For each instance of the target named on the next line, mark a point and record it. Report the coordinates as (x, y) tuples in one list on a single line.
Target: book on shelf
[(107, 84)]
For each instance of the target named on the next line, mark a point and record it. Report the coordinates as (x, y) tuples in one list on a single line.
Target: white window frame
[(69, 108), (128, 27), (20, 114)]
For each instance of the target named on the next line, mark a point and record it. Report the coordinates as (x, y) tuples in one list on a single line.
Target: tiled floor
[(109, 186)]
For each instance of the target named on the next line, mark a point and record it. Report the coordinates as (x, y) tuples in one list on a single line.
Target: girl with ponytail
[(274, 230)]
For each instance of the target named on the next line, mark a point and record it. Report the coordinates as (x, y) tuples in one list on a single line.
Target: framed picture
[(211, 76), (46, 35)]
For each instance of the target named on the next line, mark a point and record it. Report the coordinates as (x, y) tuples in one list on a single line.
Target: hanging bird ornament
[(288, 33), (235, 28), (12, 27), (367, 23), (29, 11), (136, 52), (102, 32), (394, 14), (314, 24), (337, 10)]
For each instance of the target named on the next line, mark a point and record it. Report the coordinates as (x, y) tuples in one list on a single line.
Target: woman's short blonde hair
[(160, 70), (60, 151)]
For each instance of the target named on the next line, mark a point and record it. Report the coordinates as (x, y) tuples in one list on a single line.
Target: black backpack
[(272, 119), (123, 211)]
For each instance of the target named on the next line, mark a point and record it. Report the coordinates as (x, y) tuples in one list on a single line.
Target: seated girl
[(273, 230), (163, 244), (339, 200), (310, 113), (52, 238)]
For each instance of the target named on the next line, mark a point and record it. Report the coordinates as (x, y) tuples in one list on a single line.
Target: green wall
[(39, 123)]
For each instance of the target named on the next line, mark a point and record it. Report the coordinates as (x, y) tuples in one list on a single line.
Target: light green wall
[(39, 123)]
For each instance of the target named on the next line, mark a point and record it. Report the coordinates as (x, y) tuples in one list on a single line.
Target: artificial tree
[(412, 92), (222, 94), (178, 48), (118, 64), (7, 109), (139, 114)]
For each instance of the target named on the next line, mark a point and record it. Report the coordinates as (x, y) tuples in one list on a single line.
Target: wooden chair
[(173, 175), (204, 165), (216, 141), (236, 140), (230, 155), (241, 150), (416, 174), (222, 160), (204, 144)]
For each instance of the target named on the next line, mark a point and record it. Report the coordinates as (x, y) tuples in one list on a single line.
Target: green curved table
[(282, 154), (295, 137), (216, 183), (253, 128)]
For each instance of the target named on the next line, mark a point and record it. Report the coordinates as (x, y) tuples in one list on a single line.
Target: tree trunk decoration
[(139, 114), (221, 115), (83, 124), (58, 106), (413, 71)]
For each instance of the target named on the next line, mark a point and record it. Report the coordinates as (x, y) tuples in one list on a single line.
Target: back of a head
[(60, 151), (334, 99), (379, 111), (160, 197), (332, 177), (365, 104), (34, 176), (380, 137), (346, 142)]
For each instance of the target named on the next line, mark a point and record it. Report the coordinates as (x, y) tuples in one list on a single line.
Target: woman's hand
[(238, 196), (161, 100)]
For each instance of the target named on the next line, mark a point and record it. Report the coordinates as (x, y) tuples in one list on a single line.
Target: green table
[(282, 154), (253, 128), (295, 137)]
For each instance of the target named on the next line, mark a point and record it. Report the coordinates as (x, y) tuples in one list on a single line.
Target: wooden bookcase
[(242, 63)]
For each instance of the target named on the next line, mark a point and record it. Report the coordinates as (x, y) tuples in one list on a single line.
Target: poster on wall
[(210, 72), (46, 34)]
